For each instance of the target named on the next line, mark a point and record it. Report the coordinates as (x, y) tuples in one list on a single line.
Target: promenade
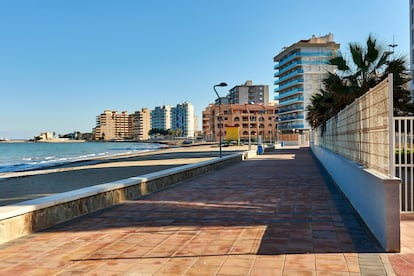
[(277, 214)]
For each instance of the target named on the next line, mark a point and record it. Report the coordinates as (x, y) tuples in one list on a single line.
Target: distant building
[(105, 125), (300, 69), (255, 122), (161, 117), (182, 117), (141, 124), (248, 93), (111, 125)]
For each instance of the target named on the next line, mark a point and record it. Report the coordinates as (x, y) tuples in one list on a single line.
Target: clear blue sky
[(64, 62)]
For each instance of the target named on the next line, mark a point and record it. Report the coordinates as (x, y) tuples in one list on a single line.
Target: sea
[(25, 156)]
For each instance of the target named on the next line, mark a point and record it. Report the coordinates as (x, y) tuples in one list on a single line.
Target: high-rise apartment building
[(248, 93), (161, 117), (300, 69), (112, 125), (141, 124), (182, 117)]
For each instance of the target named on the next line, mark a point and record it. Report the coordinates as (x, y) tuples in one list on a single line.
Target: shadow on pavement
[(278, 203)]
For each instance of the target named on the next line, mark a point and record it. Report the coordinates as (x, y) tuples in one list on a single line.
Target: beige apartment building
[(111, 125), (141, 124), (254, 121)]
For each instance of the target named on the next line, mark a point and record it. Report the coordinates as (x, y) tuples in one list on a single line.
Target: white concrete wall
[(374, 196)]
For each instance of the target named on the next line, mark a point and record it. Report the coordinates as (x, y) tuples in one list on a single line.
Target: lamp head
[(221, 84)]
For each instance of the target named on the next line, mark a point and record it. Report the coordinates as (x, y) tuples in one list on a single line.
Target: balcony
[(289, 58), (291, 126), (291, 101), (298, 90), (292, 117), (288, 76), (302, 54), (291, 109), (290, 67), (290, 84)]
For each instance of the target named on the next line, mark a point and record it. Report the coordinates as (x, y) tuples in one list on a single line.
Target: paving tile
[(299, 262), (275, 262), (265, 271), (401, 266), (251, 218), (226, 270), (176, 266), (289, 272)]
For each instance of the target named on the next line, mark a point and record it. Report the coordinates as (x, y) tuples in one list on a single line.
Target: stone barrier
[(26, 217)]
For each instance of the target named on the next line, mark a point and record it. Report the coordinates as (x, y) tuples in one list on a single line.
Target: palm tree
[(402, 96), (369, 65)]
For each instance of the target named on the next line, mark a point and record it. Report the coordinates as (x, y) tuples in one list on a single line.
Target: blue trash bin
[(259, 149)]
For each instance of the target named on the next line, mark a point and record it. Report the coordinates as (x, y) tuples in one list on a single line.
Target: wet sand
[(21, 186)]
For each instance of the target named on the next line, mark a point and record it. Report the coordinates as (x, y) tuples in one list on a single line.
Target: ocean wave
[(35, 156)]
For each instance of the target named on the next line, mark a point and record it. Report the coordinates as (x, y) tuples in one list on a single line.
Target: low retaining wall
[(374, 196), (30, 216)]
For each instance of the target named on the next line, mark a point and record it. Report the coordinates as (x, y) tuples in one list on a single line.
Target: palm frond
[(357, 54), (340, 63), (372, 51)]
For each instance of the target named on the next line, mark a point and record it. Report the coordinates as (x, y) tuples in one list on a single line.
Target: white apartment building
[(300, 69), (161, 117)]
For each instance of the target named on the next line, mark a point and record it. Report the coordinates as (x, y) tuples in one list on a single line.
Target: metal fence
[(362, 131), (403, 159)]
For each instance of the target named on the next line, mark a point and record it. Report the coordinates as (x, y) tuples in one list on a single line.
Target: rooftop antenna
[(393, 45)]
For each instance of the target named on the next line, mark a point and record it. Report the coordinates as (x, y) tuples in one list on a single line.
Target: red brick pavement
[(272, 215)]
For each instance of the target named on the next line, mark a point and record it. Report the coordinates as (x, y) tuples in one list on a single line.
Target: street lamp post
[(222, 84), (248, 126)]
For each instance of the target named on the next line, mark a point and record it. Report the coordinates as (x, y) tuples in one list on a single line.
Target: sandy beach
[(21, 186)]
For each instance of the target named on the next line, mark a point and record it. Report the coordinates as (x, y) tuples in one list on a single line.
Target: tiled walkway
[(273, 215), (403, 263)]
